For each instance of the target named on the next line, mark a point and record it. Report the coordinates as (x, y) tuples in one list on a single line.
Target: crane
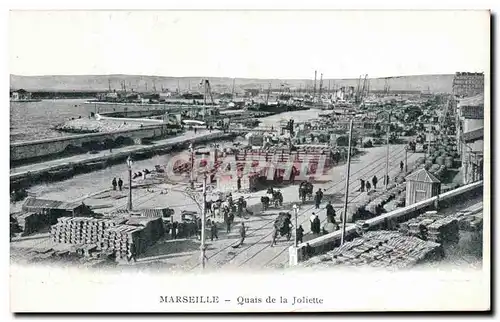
[(208, 92), (268, 93), (364, 88), (315, 76)]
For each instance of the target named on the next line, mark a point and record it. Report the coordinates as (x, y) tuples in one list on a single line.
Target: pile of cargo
[(81, 230), (437, 170), (30, 222), (380, 249), (119, 236), (432, 226), (371, 205)]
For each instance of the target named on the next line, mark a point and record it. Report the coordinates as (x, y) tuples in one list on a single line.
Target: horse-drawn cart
[(282, 227)]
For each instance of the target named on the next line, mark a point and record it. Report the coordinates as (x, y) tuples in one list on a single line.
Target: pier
[(31, 172)]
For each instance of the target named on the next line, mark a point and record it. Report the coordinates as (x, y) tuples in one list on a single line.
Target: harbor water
[(35, 120)]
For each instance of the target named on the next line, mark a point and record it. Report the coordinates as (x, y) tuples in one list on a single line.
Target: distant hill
[(434, 83)]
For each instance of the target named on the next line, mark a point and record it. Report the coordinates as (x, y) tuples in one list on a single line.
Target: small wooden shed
[(421, 185)]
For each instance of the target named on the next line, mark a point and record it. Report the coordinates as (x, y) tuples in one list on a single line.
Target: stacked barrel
[(381, 249)]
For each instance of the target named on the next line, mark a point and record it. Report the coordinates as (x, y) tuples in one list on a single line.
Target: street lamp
[(191, 150), (296, 211), (129, 164)]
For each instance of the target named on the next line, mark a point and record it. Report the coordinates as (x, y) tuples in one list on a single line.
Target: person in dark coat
[(374, 181), (213, 231), (174, 230), (113, 183), (238, 184), (311, 221), (330, 212), (368, 186), (401, 165), (317, 225), (319, 196), (194, 130), (300, 234), (362, 183), (120, 183)]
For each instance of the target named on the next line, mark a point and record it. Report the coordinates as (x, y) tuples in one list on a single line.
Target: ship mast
[(314, 90)]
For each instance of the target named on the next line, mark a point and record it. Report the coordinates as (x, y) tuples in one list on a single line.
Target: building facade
[(470, 137), (468, 84)]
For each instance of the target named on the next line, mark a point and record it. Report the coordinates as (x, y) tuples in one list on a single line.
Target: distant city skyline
[(248, 44)]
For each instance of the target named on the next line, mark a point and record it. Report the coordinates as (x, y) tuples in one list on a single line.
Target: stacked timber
[(81, 230), (432, 226), (122, 240), (381, 249)]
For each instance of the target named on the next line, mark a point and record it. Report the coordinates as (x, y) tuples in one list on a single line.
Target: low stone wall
[(327, 242)]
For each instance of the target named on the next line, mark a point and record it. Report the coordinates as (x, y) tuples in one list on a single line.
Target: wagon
[(282, 227)]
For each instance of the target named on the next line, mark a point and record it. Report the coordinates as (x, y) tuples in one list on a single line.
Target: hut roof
[(422, 175), (31, 203)]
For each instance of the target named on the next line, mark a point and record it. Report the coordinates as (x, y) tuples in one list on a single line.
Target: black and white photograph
[(209, 143)]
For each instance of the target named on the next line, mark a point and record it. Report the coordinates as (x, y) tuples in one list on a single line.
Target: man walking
[(401, 165), (311, 220), (317, 225), (319, 196), (242, 232), (374, 181), (300, 234), (330, 212), (113, 183), (362, 183), (368, 186), (120, 183), (213, 231)]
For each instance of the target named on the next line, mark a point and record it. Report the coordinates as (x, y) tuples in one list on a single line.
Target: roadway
[(256, 252)]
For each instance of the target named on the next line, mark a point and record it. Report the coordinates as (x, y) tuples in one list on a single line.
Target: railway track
[(356, 176)]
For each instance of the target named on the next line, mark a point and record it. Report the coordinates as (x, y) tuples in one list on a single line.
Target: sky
[(249, 44)]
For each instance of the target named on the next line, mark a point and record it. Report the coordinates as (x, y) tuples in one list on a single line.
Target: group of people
[(118, 183), (365, 185)]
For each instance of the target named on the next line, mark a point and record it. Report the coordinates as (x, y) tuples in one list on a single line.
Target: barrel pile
[(381, 249), (432, 226), (372, 204)]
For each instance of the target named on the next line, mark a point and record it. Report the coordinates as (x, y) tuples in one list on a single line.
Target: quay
[(32, 171)]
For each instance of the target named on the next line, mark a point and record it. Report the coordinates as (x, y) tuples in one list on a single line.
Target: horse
[(277, 198), (306, 191), (265, 202)]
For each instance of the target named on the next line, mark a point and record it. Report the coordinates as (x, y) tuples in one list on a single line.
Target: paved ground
[(256, 252)]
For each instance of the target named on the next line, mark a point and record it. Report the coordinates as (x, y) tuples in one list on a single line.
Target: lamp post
[(191, 150), (296, 211), (129, 164), (203, 222)]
